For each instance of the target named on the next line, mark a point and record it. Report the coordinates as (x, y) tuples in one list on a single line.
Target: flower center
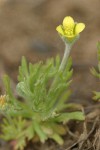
[(69, 31)]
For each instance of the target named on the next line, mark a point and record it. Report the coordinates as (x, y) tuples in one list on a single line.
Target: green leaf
[(97, 96), (6, 81), (23, 70), (94, 72), (62, 99), (65, 117), (40, 133), (57, 138), (30, 132), (20, 143)]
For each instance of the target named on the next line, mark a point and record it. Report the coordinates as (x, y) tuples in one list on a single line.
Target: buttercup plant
[(44, 89)]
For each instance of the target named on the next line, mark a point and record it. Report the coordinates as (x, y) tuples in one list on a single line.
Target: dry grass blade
[(84, 138), (96, 143)]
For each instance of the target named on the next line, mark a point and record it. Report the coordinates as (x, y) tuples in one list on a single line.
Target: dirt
[(27, 27)]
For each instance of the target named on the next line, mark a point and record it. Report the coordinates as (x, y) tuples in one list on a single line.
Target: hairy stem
[(65, 57)]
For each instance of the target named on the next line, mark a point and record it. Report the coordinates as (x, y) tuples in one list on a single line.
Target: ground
[(27, 27)]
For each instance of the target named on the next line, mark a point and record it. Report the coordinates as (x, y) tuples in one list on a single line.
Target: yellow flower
[(2, 101), (70, 29)]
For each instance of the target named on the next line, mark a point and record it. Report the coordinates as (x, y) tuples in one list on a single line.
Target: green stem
[(65, 57), (68, 46), (61, 68), (63, 63)]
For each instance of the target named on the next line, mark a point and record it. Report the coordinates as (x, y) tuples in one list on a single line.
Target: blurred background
[(27, 27)]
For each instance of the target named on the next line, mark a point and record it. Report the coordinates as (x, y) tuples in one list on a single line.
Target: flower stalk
[(69, 32), (65, 56)]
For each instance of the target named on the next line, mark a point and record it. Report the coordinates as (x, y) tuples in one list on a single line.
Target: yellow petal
[(68, 22), (79, 28), (60, 30)]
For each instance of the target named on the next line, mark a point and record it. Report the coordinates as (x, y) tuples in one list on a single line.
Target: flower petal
[(68, 22), (79, 28), (60, 30)]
